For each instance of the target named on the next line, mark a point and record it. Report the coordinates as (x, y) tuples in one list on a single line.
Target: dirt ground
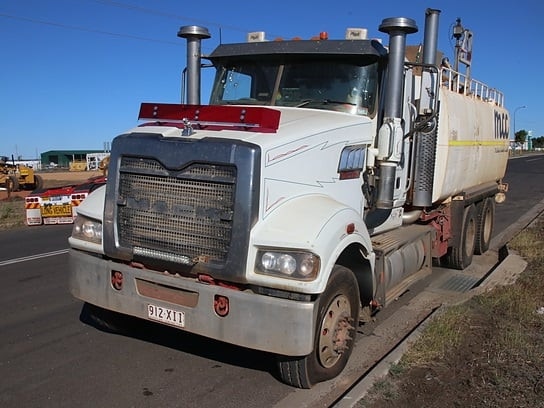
[(53, 179)]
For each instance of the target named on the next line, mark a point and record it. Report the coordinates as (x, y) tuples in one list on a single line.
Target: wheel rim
[(334, 334)]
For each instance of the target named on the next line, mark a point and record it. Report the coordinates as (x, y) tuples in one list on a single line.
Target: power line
[(129, 36), (164, 14), (173, 16), (89, 30)]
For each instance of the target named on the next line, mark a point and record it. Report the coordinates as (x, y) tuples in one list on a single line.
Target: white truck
[(322, 179)]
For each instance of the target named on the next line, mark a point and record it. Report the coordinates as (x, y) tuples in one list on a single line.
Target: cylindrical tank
[(472, 143)]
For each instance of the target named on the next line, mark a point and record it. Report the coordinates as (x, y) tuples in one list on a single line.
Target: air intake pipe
[(391, 133), (194, 36)]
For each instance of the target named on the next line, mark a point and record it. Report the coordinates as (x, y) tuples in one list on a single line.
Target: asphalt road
[(49, 358), (525, 177)]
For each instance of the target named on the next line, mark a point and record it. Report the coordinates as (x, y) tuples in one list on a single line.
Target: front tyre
[(103, 319), (336, 327)]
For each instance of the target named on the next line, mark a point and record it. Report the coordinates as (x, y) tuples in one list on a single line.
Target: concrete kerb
[(505, 273)]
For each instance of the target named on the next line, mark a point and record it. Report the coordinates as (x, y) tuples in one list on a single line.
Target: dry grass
[(12, 213)]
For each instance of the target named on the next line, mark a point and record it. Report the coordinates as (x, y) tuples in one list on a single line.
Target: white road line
[(530, 160), (32, 257)]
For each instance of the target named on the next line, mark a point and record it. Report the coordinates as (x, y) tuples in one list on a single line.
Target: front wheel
[(103, 319), (336, 327)]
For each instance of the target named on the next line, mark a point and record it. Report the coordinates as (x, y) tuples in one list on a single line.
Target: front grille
[(184, 213)]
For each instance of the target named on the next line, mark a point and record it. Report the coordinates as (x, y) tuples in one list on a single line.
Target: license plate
[(165, 315), (56, 210)]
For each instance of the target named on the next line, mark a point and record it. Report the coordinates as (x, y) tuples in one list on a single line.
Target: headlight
[(87, 229), (287, 264)]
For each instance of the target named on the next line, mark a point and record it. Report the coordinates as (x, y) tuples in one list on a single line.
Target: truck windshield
[(332, 85)]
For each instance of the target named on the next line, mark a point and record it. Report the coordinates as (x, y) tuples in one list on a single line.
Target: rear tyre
[(335, 334), (460, 257), (38, 182), (12, 183), (484, 225)]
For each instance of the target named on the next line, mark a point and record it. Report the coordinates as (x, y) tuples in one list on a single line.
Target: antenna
[(463, 47)]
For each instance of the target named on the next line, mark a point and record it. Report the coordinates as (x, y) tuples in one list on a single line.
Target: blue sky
[(74, 72)]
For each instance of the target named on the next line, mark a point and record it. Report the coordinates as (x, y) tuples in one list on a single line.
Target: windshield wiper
[(305, 102), (322, 101)]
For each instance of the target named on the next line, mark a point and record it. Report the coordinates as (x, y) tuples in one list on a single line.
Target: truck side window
[(244, 83), (236, 86)]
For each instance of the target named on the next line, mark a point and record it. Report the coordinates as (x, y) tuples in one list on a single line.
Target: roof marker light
[(356, 34), (255, 36)]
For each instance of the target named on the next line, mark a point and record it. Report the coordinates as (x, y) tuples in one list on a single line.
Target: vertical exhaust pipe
[(430, 45), (194, 36), (429, 77), (425, 140)]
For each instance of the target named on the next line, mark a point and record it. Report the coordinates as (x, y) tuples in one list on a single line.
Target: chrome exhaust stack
[(194, 36)]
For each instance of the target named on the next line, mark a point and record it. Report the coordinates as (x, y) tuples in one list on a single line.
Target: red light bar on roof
[(213, 117)]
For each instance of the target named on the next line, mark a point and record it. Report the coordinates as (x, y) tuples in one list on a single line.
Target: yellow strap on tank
[(477, 142)]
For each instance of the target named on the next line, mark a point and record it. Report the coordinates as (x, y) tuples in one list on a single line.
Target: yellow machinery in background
[(15, 177)]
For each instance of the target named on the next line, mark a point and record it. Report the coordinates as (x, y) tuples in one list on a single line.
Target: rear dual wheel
[(460, 256), (335, 334), (484, 225)]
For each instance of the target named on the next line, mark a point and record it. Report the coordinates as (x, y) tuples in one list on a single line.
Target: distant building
[(35, 164), (94, 159), (63, 158)]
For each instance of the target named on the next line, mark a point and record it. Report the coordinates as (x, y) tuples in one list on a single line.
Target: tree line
[(520, 137)]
